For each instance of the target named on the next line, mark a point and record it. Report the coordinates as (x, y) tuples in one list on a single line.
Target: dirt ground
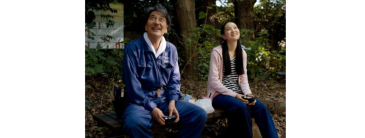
[(99, 100)]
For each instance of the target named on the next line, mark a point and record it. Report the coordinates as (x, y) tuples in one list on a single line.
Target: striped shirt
[(231, 80)]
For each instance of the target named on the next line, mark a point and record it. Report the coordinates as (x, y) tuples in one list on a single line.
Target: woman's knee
[(260, 106), (240, 106)]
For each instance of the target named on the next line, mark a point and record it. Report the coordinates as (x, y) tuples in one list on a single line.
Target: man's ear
[(167, 29)]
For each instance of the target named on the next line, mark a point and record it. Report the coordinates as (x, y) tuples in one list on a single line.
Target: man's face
[(156, 25)]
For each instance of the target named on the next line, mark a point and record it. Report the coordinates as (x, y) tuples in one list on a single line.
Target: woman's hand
[(251, 95), (239, 97), (253, 103)]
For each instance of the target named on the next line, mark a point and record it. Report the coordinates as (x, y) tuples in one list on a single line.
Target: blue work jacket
[(142, 71)]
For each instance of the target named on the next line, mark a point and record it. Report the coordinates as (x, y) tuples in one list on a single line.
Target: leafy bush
[(271, 15), (207, 43), (107, 63), (262, 63), (203, 39), (104, 62)]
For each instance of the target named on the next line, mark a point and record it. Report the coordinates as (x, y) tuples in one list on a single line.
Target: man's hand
[(239, 97), (158, 116), (172, 110)]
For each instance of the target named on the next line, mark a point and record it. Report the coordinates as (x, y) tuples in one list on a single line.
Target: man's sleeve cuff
[(173, 97), (150, 106)]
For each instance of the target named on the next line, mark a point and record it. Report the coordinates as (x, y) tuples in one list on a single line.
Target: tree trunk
[(186, 16), (243, 10)]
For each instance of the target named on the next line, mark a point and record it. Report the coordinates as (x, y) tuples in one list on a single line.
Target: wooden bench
[(114, 124)]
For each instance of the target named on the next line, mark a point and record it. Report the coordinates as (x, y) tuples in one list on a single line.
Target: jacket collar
[(160, 50), (219, 50)]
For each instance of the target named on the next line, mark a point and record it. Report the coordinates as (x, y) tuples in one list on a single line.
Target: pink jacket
[(216, 75)]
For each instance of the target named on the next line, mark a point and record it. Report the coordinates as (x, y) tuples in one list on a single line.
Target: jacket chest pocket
[(144, 68), (166, 71), (167, 66)]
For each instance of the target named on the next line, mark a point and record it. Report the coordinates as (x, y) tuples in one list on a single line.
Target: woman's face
[(231, 32)]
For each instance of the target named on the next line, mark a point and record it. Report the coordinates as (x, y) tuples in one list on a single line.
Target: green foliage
[(202, 15), (92, 6), (271, 16), (225, 14), (262, 63), (102, 61), (207, 44), (107, 63), (203, 39)]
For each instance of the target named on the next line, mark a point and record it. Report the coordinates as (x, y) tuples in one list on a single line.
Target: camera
[(250, 99), (170, 118)]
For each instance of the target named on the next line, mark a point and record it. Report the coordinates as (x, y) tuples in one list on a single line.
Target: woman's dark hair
[(226, 60), (160, 8)]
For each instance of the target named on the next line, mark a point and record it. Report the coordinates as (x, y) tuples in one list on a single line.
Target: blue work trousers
[(239, 119), (138, 121)]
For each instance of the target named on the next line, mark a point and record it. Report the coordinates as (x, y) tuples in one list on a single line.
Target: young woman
[(228, 83)]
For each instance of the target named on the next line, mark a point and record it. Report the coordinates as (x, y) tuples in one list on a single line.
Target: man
[(152, 78)]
